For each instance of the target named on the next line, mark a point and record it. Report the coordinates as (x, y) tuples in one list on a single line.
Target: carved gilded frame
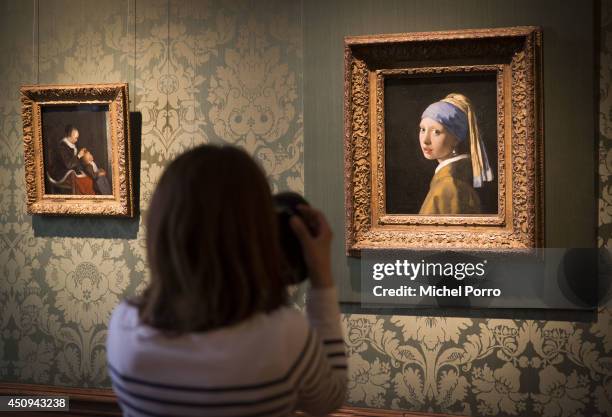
[(33, 99), (514, 56)]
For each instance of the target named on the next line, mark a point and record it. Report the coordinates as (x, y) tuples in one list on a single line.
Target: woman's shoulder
[(448, 183), (124, 313), (125, 318), (289, 321), (283, 321), (284, 331), (457, 174)]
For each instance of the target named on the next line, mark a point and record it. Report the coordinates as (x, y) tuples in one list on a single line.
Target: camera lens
[(286, 206)]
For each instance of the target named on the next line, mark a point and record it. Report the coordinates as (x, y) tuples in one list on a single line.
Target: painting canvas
[(411, 161), (77, 149)]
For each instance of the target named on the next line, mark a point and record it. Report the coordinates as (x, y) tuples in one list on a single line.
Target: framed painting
[(77, 149), (443, 140)]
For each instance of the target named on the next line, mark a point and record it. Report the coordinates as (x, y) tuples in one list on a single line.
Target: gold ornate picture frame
[(77, 149), (388, 82)]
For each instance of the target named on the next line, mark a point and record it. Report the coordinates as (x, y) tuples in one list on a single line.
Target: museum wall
[(479, 362), (198, 72), (195, 70)]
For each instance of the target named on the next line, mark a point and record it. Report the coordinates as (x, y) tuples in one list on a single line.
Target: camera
[(285, 204)]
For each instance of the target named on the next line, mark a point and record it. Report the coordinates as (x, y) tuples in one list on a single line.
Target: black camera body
[(286, 204)]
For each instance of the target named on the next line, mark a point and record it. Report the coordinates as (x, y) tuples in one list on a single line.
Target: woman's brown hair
[(212, 243)]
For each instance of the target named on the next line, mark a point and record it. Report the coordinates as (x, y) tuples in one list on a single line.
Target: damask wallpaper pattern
[(230, 71), (199, 72)]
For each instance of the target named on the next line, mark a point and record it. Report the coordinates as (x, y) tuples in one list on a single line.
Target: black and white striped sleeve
[(323, 384)]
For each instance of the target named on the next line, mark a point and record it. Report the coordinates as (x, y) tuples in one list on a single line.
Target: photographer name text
[(410, 271)]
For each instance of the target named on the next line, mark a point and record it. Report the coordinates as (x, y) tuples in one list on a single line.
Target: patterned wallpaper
[(230, 71), (217, 71)]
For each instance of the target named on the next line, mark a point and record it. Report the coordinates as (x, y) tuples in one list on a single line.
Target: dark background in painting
[(90, 120), (408, 173)]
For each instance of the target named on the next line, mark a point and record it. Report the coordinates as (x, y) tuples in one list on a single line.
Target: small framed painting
[(77, 149)]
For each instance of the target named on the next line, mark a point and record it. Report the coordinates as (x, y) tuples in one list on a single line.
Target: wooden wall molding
[(103, 403)]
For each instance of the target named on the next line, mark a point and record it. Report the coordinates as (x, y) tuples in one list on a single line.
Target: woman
[(448, 133), (212, 334), (65, 171)]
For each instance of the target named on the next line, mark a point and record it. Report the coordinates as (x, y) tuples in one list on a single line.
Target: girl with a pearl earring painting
[(448, 133)]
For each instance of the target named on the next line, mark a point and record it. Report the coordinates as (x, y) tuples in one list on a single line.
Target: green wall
[(190, 65), (568, 82)]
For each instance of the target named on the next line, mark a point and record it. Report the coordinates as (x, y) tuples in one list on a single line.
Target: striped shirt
[(268, 365)]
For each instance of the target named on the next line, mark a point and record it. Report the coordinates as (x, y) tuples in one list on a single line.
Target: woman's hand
[(315, 235)]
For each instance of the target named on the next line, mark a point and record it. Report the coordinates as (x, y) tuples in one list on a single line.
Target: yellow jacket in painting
[(451, 191)]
